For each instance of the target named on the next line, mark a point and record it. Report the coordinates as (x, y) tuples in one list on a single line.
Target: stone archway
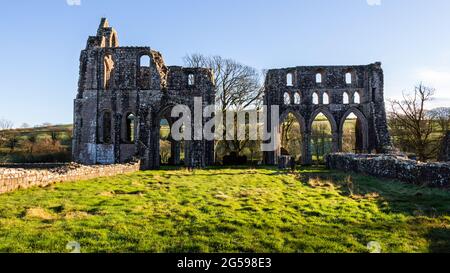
[(304, 134), (363, 130), (334, 128), (175, 147)]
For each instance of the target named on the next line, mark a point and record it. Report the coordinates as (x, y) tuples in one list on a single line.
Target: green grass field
[(227, 210)]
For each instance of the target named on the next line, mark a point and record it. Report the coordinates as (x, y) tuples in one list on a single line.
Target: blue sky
[(42, 39)]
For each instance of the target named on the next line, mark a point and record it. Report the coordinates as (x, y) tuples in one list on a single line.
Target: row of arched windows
[(349, 78), (129, 124), (325, 98)]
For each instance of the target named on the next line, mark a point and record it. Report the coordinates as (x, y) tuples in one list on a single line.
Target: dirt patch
[(39, 213), (77, 215), (222, 196)]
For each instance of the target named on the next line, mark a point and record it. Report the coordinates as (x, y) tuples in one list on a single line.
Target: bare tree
[(6, 124), (441, 116), (410, 115), (25, 125), (5, 128), (238, 87)]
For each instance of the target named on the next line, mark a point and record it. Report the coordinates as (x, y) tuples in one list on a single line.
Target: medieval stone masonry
[(121, 101), (336, 92), (123, 94)]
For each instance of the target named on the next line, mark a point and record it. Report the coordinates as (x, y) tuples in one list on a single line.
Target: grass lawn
[(227, 210)]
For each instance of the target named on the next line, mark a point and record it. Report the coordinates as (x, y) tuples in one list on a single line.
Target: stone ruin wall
[(23, 176), (293, 90), (114, 85), (393, 167)]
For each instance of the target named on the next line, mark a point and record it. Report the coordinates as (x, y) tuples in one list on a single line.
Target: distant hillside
[(40, 131), (40, 144)]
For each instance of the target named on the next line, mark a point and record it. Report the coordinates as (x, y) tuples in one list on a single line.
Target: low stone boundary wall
[(394, 167), (14, 177)]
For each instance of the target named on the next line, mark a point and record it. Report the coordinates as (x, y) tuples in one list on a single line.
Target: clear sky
[(41, 41)]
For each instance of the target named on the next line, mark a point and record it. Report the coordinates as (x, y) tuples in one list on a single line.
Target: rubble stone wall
[(393, 167), (14, 177)]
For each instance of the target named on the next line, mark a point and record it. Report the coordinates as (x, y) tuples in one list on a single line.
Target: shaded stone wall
[(17, 176), (114, 85), (445, 149), (387, 166), (300, 84)]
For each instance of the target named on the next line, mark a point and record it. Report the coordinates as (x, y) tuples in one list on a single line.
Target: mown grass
[(227, 210)]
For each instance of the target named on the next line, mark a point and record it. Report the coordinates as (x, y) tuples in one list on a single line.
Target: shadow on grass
[(423, 205), (439, 240), (401, 197)]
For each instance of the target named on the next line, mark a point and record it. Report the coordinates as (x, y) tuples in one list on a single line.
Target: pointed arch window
[(315, 98), (326, 98), (287, 98), (356, 98), (345, 98), (297, 98)]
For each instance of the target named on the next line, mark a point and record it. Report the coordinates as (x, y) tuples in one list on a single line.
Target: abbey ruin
[(336, 92), (121, 102)]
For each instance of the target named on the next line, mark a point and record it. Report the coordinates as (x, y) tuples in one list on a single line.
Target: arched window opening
[(352, 135), (172, 152), (106, 124), (321, 138), (315, 98), (326, 98), (345, 98), (165, 144), (297, 98), (145, 72), (145, 61), (287, 98), (191, 79), (357, 98), (289, 79), (348, 78), (291, 138), (319, 77), (108, 68), (130, 128)]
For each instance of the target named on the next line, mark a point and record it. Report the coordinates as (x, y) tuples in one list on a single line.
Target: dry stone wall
[(14, 177), (393, 167)]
